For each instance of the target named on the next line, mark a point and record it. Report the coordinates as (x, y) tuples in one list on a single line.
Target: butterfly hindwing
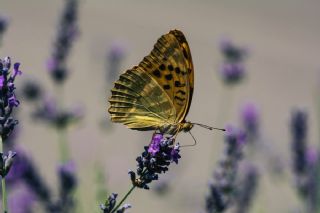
[(139, 102)]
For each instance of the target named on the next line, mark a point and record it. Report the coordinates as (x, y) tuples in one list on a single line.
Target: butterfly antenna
[(194, 139), (209, 127)]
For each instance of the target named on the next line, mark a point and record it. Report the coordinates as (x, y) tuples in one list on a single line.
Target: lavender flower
[(31, 90), (19, 168), (21, 200), (3, 25), (8, 100), (232, 52), (247, 188), (232, 72), (24, 170), (299, 133), (68, 31), (222, 189), (305, 162), (232, 69), (68, 183), (250, 119), (109, 206), (56, 117), (155, 160), (115, 56)]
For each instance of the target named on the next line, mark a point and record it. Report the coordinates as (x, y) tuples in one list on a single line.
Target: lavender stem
[(3, 184), (63, 146), (123, 199)]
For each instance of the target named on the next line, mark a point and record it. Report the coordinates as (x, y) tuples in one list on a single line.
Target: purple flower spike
[(21, 200), (175, 156), (8, 98), (51, 64), (232, 52), (237, 134), (13, 102), (232, 72), (1, 81), (155, 160), (154, 146), (312, 156), (16, 70), (250, 118)]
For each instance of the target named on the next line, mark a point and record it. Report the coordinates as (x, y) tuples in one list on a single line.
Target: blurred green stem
[(225, 101), (63, 145), (62, 131), (3, 184)]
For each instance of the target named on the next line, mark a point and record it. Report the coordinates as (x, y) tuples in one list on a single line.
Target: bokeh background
[(282, 73)]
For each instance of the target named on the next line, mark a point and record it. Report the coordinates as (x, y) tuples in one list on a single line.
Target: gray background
[(283, 72)]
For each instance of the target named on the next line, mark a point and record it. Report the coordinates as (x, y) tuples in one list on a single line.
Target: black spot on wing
[(177, 69), (166, 87), (178, 84), (156, 73), (162, 67), (170, 67), (168, 77)]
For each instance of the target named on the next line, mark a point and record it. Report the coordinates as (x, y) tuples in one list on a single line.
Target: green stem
[(63, 145), (123, 199), (62, 132), (3, 184)]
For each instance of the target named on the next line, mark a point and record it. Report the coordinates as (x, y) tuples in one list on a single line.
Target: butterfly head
[(186, 126)]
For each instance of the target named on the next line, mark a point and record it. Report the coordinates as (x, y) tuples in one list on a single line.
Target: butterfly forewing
[(170, 64), (158, 91)]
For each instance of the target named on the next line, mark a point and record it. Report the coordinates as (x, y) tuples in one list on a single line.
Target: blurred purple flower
[(232, 72), (68, 31), (312, 156), (237, 133), (68, 183), (222, 188), (19, 168), (115, 56), (32, 90), (299, 141), (250, 118), (67, 169), (232, 52), (117, 51), (21, 200), (52, 64), (51, 114), (247, 188), (3, 25), (232, 69)]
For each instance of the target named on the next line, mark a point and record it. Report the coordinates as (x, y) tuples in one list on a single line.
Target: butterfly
[(157, 94)]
